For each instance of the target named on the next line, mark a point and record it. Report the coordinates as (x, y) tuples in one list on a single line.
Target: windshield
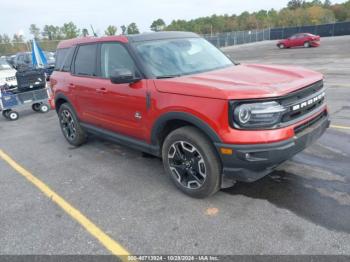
[(176, 57), (49, 55), (4, 65)]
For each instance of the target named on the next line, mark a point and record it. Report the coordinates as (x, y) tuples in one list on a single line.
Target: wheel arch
[(173, 120), (60, 99)]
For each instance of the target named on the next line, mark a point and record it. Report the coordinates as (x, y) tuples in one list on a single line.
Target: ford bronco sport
[(175, 96)]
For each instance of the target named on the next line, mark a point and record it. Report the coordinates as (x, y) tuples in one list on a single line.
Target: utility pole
[(93, 31)]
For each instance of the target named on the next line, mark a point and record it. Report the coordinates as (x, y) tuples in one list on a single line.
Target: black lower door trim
[(123, 140)]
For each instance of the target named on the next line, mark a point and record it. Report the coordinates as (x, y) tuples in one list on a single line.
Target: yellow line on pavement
[(340, 127), (110, 244)]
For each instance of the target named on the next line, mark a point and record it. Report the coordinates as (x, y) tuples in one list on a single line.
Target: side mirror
[(123, 76)]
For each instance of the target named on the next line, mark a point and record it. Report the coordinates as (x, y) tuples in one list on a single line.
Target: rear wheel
[(307, 44), (5, 113), (191, 161), (36, 107), (44, 108), (70, 126)]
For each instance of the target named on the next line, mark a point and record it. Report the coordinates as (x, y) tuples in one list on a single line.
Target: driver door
[(123, 106)]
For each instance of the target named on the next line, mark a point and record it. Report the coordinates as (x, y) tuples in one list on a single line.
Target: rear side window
[(85, 60), (68, 60), (60, 56)]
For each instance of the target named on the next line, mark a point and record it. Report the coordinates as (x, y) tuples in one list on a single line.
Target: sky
[(17, 15)]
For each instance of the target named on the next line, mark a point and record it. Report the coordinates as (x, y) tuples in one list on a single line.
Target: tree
[(294, 4), (35, 31), (327, 4), (85, 32), (6, 39), (70, 30), (52, 32), (124, 28), (319, 15), (158, 25), (17, 38), (132, 29), (111, 30), (340, 13)]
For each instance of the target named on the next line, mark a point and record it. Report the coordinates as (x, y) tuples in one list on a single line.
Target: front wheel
[(281, 46), (191, 161), (307, 44), (70, 126), (12, 115)]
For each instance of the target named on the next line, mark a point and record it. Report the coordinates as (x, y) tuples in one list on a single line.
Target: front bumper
[(315, 43), (249, 163)]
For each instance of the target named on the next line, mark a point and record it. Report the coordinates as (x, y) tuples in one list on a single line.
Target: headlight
[(257, 115)]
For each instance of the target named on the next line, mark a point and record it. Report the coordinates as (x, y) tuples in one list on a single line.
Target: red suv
[(301, 39), (175, 96)]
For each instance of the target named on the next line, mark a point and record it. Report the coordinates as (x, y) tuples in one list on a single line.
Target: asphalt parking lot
[(301, 208)]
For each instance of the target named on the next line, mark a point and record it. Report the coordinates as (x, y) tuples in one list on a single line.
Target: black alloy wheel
[(187, 164), (192, 162), (70, 126)]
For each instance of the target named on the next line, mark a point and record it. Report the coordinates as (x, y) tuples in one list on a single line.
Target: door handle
[(101, 90), (71, 85)]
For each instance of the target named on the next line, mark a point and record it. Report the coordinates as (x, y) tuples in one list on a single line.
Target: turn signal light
[(226, 151)]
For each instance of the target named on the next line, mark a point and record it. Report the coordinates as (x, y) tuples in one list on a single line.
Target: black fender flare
[(195, 121), (61, 96), (64, 97)]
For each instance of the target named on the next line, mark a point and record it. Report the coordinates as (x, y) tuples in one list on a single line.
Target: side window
[(60, 55), (68, 60), (64, 58), (115, 56), (85, 60), (27, 58)]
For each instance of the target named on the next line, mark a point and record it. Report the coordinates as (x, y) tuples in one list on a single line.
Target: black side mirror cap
[(123, 76)]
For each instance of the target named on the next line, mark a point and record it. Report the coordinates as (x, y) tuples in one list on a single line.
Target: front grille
[(302, 102), (11, 78), (310, 123)]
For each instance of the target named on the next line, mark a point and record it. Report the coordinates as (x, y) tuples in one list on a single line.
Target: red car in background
[(300, 39)]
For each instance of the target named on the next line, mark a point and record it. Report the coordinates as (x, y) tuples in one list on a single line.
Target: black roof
[(160, 36)]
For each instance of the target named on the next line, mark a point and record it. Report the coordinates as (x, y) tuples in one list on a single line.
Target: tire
[(5, 113), (36, 107), (12, 115), (307, 44), (281, 46), (44, 108), (196, 173), (70, 126)]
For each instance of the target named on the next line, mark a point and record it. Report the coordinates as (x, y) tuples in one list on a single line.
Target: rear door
[(84, 82)]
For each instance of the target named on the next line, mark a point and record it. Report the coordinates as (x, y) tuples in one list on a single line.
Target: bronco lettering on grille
[(308, 102)]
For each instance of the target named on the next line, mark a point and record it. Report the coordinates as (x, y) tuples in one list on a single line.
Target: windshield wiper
[(167, 76)]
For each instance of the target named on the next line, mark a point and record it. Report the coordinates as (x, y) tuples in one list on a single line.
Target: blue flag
[(38, 57)]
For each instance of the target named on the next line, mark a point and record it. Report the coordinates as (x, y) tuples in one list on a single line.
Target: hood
[(7, 73), (241, 82)]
